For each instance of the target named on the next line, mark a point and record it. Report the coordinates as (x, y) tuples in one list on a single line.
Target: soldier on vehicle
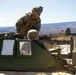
[(34, 35), (30, 20)]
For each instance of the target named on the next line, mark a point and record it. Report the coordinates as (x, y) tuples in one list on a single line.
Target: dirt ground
[(34, 73)]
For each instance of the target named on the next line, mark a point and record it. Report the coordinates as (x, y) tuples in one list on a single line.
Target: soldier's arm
[(38, 25)]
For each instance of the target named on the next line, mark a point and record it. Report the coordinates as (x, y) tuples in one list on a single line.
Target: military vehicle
[(34, 58), (13, 57)]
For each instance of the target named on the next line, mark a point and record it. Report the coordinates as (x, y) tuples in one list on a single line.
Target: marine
[(30, 20)]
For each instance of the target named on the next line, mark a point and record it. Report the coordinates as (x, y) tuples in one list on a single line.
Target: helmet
[(32, 34), (37, 10)]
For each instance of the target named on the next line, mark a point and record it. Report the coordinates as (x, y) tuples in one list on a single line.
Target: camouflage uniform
[(25, 23)]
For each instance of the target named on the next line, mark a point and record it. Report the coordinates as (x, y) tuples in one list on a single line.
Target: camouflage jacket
[(25, 23)]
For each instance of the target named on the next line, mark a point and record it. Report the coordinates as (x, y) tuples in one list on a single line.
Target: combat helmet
[(32, 33), (37, 10)]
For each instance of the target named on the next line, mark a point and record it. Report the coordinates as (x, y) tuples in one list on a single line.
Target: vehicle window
[(7, 48), (25, 47)]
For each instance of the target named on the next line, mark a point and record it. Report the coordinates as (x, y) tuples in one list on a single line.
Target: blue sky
[(54, 11)]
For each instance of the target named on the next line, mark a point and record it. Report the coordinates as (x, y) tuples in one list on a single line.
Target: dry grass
[(63, 38), (48, 45)]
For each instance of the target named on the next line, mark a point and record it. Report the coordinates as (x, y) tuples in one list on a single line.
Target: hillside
[(58, 27), (47, 28)]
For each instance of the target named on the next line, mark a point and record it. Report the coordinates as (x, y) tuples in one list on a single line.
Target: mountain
[(7, 29), (58, 27), (47, 28)]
